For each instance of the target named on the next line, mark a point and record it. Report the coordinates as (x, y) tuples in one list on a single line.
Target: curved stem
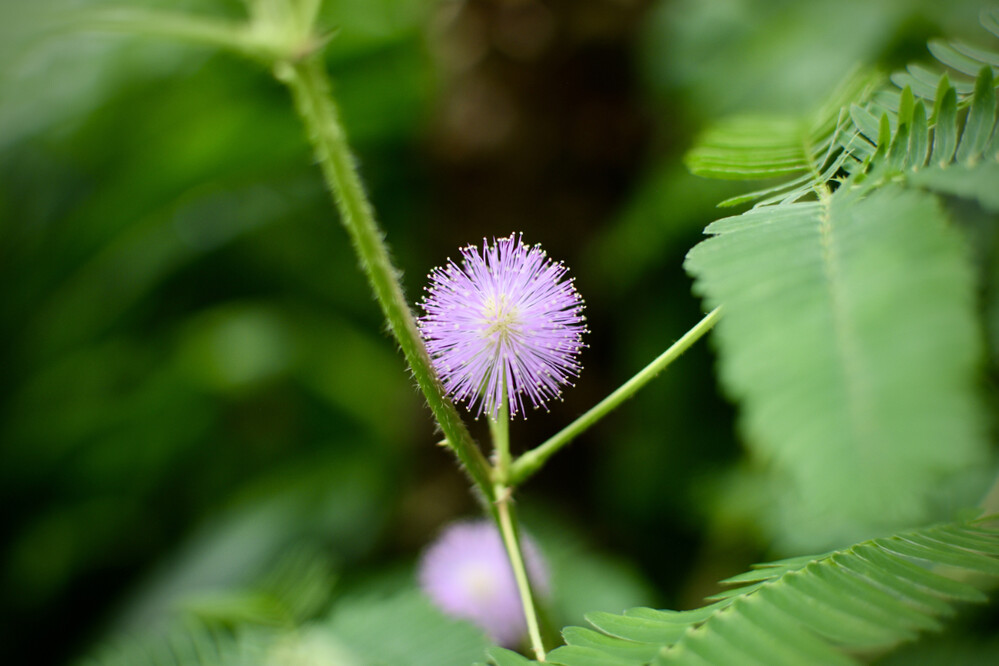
[(511, 541), (310, 89), (529, 463), (499, 429)]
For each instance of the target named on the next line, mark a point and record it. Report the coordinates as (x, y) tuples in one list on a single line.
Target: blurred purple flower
[(466, 574), (505, 315)]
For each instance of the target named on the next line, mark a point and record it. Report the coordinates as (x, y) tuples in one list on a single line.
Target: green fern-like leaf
[(849, 337), (824, 609), (938, 130), (754, 147), (919, 117), (960, 128), (973, 171), (849, 334)]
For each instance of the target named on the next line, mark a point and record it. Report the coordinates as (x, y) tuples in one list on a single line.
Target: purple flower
[(506, 319), (466, 574)]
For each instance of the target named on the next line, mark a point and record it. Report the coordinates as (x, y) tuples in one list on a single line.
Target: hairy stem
[(310, 88), (511, 541), (529, 463)]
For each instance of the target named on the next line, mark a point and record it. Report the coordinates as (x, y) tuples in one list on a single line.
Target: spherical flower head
[(466, 574), (506, 321)]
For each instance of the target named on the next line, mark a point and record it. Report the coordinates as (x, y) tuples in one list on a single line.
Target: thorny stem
[(310, 88), (529, 463)]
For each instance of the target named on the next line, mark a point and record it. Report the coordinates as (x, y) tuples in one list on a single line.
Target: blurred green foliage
[(196, 380)]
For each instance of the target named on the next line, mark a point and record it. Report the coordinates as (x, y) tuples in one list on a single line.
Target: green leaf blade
[(945, 123), (918, 138), (848, 380), (835, 614), (935, 584), (865, 122), (574, 655), (990, 20), (953, 58), (583, 637), (793, 634), (759, 647), (974, 182), (903, 588), (924, 549), (641, 630), (749, 148), (502, 657), (981, 119)]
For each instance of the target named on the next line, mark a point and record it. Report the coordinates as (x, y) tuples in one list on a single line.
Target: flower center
[(501, 318)]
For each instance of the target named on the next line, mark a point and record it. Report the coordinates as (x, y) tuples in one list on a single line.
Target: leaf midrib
[(846, 338)]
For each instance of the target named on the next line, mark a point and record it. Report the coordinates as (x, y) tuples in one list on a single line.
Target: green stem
[(499, 428), (511, 541), (310, 89), (529, 463)]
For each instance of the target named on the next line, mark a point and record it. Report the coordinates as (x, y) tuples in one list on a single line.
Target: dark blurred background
[(194, 373)]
